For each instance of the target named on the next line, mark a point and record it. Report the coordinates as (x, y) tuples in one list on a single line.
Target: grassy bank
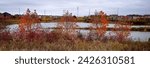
[(53, 41), (142, 29), (79, 45)]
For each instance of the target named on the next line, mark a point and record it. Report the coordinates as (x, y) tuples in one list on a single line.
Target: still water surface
[(135, 35)]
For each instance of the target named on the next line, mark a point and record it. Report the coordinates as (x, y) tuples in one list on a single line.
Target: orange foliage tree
[(28, 20), (29, 27), (99, 25)]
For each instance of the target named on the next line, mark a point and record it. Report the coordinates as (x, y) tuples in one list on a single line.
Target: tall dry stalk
[(68, 24)]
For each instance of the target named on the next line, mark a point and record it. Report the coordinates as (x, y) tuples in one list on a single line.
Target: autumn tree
[(29, 27), (28, 21), (99, 25)]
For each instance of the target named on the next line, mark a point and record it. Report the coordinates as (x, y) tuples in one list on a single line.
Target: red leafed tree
[(28, 20), (99, 25)]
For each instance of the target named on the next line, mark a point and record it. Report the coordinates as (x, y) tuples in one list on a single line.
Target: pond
[(135, 35)]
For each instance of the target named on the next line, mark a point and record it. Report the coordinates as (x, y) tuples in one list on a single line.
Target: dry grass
[(55, 41)]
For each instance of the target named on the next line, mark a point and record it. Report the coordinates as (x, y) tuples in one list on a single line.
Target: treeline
[(142, 21), (7, 18)]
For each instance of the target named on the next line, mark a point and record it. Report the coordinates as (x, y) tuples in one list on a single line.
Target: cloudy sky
[(86, 7)]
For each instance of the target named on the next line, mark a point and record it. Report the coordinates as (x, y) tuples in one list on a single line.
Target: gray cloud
[(57, 6)]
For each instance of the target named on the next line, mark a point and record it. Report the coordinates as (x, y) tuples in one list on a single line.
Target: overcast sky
[(56, 7)]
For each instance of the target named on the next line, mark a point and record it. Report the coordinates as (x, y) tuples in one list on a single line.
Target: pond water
[(80, 24), (135, 35)]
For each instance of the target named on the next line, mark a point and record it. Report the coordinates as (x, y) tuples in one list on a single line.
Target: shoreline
[(143, 29)]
